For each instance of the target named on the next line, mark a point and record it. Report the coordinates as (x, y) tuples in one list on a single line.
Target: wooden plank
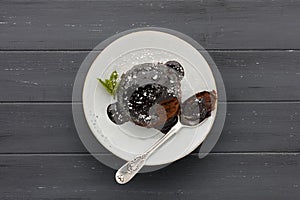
[(249, 127), (261, 127), (215, 24), (34, 76), (248, 76), (223, 176), (38, 128)]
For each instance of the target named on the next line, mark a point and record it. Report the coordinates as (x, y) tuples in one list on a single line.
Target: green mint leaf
[(104, 84), (110, 84), (115, 89), (113, 76)]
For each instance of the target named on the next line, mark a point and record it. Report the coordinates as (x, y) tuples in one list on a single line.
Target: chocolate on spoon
[(198, 107)]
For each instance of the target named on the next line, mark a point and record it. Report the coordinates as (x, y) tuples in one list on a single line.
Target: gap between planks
[(192, 154), (70, 103), (99, 50)]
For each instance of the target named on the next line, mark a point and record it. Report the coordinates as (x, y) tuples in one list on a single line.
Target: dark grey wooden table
[(256, 46)]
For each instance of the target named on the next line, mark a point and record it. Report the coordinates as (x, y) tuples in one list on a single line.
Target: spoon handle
[(132, 167)]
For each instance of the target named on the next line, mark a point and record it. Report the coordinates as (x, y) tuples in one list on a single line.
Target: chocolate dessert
[(149, 95)]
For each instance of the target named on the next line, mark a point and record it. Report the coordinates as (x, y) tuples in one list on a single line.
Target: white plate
[(128, 140)]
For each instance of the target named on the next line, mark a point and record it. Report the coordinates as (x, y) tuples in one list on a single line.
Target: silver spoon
[(132, 167)]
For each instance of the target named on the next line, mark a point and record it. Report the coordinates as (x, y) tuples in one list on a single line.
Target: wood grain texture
[(214, 24), (248, 76), (254, 44), (249, 127), (218, 176)]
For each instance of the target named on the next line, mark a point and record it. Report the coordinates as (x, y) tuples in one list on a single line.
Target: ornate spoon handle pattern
[(132, 167)]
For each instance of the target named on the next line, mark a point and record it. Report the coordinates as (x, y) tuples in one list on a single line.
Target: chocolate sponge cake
[(149, 95)]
